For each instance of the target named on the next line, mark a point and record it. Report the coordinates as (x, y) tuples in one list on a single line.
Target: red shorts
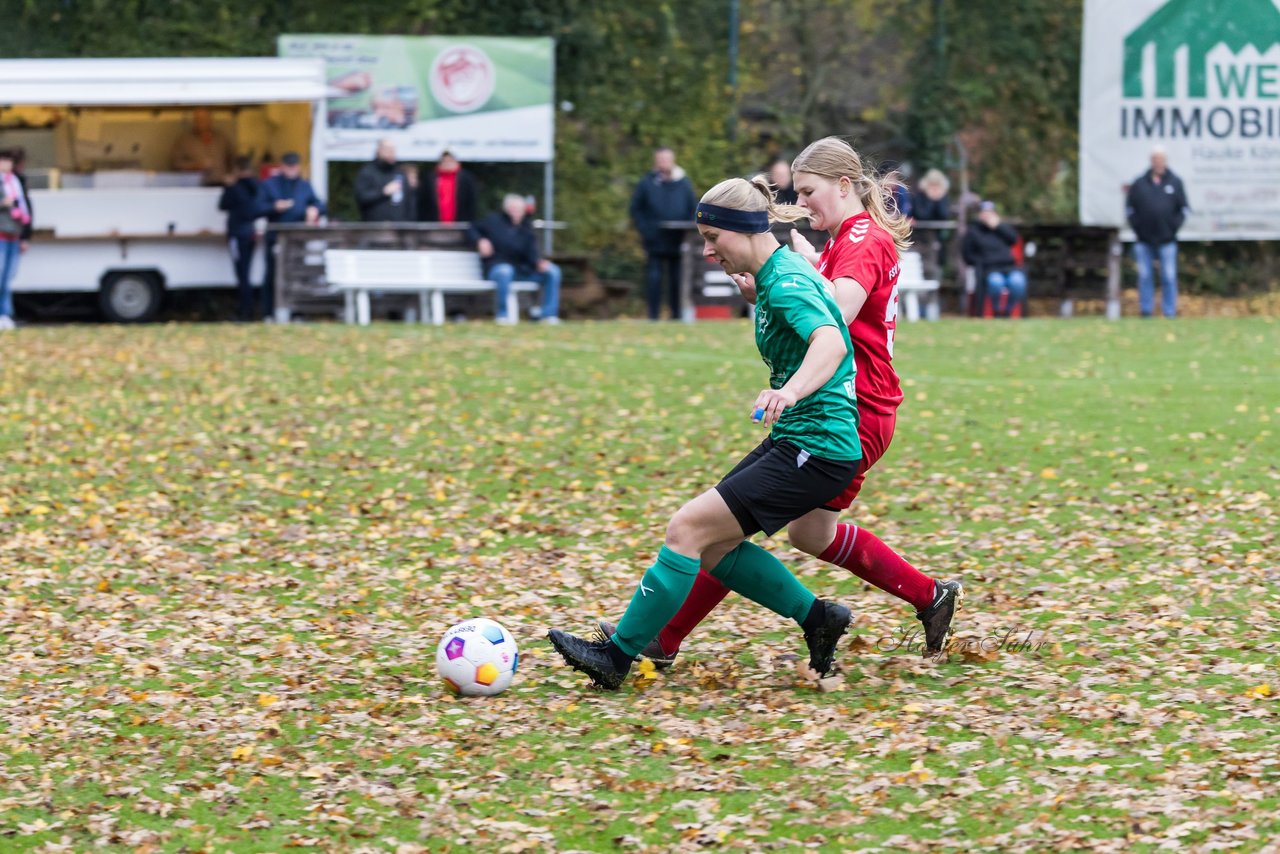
[(875, 432)]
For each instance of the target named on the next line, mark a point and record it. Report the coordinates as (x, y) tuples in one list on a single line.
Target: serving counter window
[(155, 171)]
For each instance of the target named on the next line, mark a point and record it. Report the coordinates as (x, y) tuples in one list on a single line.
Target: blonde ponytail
[(754, 195), (833, 158)]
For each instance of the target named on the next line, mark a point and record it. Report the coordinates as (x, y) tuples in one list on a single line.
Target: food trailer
[(112, 213)]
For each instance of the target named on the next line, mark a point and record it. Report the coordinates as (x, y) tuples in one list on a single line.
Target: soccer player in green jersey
[(809, 457)]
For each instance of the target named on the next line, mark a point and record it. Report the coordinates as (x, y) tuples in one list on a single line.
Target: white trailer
[(111, 214)]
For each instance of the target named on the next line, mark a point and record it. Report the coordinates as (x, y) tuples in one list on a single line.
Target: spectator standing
[(19, 169), (449, 194), (1156, 207), (780, 177), (243, 202), (383, 189), (509, 249), (663, 195), (931, 204), (988, 248), (202, 148), (15, 218), (287, 197)]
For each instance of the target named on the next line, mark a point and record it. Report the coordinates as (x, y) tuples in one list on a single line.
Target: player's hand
[(770, 404), (484, 247), (801, 244), (746, 286)]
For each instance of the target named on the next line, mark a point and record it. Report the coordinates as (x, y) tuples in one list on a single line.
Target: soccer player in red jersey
[(860, 260)]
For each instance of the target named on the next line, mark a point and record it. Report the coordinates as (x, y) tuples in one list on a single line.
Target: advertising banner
[(483, 98), (1200, 79)]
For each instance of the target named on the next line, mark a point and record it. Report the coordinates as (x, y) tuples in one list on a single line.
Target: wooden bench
[(430, 273), (912, 285)]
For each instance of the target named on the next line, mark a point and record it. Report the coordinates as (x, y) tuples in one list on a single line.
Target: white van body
[(129, 233)]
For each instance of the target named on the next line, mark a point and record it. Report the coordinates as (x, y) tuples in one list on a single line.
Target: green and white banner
[(483, 98), (1200, 79)]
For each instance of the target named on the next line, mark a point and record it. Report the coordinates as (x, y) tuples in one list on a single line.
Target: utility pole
[(731, 121)]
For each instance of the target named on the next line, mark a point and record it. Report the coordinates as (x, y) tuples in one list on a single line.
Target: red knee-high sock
[(866, 556), (706, 594)]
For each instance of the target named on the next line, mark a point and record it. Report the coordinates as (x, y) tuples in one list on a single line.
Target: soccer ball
[(477, 658)]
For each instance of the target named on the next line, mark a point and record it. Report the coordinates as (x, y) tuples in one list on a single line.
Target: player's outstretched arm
[(821, 361)]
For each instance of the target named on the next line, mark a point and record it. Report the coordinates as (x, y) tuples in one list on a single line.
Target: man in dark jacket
[(383, 191), (449, 194), (1156, 208), (988, 248), (243, 203), (506, 242), (664, 195), (287, 197)]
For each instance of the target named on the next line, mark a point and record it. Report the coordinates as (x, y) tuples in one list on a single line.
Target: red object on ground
[(713, 312)]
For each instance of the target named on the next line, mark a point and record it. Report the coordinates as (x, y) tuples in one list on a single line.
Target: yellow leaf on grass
[(646, 670), (913, 708), (921, 773), (1257, 692), (265, 700), (1048, 474), (242, 753)]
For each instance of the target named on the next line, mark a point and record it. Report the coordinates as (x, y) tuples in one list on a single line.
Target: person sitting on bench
[(988, 248), (509, 250)]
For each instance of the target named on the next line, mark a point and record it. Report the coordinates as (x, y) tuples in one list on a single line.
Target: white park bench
[(430, 273), (912, 285)]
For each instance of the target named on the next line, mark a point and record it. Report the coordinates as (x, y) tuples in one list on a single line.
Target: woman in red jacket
[(854, 206)]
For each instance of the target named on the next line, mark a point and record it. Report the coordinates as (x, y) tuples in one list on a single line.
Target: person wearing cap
[(988, 248), (287, 198), (449, 194)]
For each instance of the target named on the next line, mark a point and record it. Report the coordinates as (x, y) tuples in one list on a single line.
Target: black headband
[(747, 222)]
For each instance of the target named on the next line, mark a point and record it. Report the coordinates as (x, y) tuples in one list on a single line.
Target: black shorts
[(778, 483)]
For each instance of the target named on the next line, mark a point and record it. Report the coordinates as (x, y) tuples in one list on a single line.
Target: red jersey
[(866, 253), (447, 195)]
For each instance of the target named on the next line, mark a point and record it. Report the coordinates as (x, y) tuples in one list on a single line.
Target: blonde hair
[(833, 158), (936, 178), (756, 194)]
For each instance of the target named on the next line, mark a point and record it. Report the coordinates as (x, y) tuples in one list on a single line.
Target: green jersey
[(792, 301)]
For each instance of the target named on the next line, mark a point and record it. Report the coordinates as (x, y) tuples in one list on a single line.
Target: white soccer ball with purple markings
[(477, 658)]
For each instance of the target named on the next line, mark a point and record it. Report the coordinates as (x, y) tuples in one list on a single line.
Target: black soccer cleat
[(591, 657), (947, 597), (822, 639), (653, 652)]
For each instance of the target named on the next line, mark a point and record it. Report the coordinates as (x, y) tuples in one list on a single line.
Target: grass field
[(228, 553)]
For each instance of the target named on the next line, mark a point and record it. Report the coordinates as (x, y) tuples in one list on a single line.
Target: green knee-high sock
[(661, 593), (761, 577)]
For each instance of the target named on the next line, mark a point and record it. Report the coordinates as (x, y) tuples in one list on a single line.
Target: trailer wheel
[(130, 296)]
